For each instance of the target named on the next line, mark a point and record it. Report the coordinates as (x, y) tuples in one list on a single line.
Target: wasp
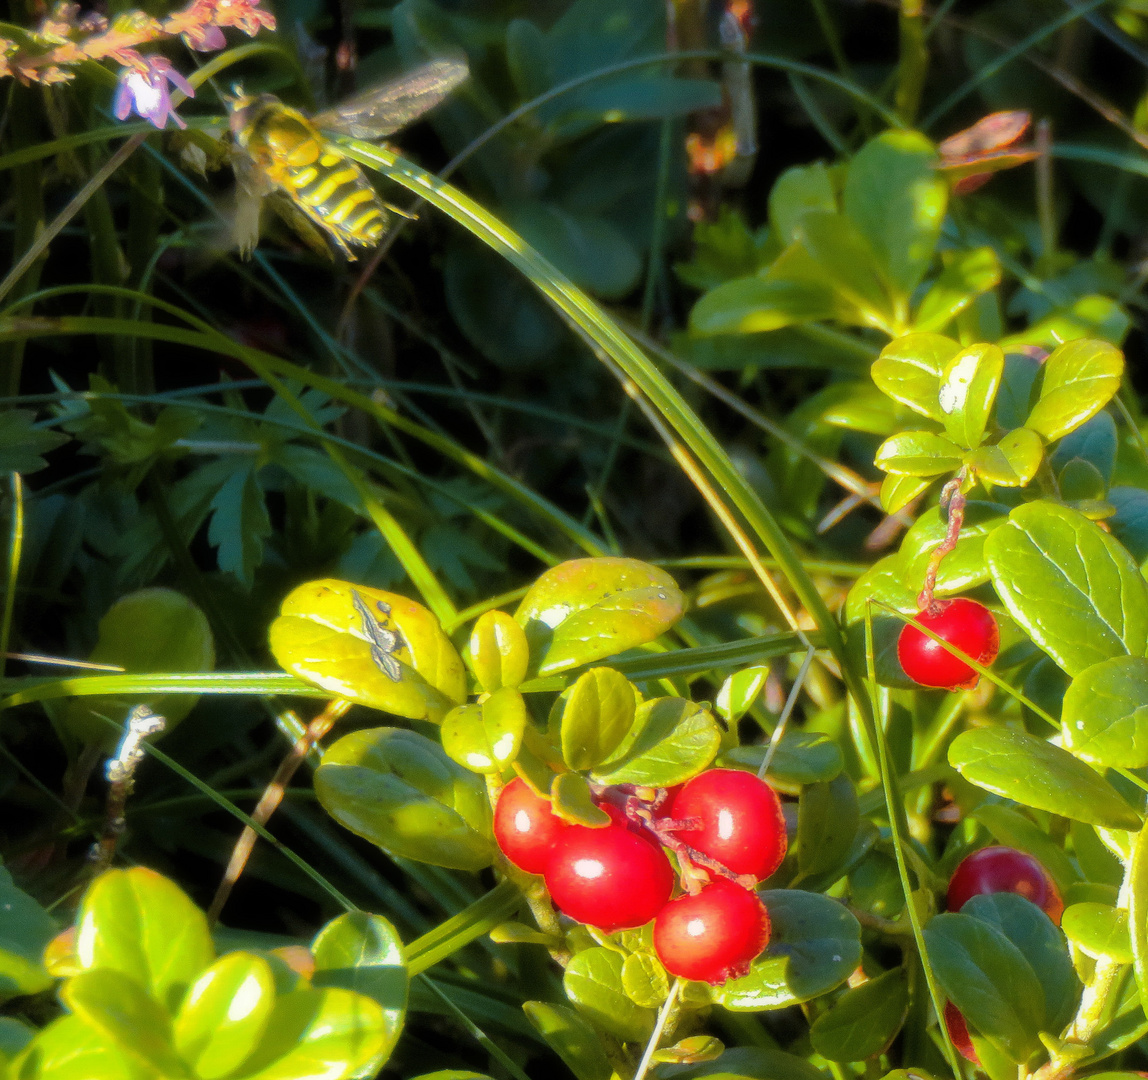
[(283, 155)]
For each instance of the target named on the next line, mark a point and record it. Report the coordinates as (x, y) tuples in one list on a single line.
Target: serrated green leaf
[(22, 443)]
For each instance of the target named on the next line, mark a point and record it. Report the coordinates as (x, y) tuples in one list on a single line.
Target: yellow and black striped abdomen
[(321, 181)]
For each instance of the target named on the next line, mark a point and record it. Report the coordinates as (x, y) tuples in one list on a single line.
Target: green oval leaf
[(814, 945), (122, 1011), (1070, 585), (918, 453), (644, 980), (827, 819), (146, 631), (671, 740), (141, 924), (1104, 716), (968, 389), (1040, 943), (593, 982), (738, 693), (1099, 929), (987, 977), (1079, 379), (1035, 773), (597, 713), (1012, 462), (801, 757), (967, 276), (486, 738), (587, 609), (400, 791), (909, 371), (224, 1015), (374, 647), (864, 1020), (746, 1063), (70, 1049), (1138, 910), (751, 305), (571, 1038), (25, 931), (497, 652)]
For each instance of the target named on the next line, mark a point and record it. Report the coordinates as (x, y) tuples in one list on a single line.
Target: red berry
[(525, 828), (1004, 869), (713, 935), (613, 878), (965, 624), (959, 1033), (743, 827)]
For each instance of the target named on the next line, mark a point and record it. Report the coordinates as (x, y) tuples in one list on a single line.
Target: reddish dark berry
[(613, 878), (959, 1033), (525, 828), (1004, 869), (742, 826), (965, 624), (714, 935)]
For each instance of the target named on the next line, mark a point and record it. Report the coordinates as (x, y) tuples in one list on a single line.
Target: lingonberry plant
[(829, 785)]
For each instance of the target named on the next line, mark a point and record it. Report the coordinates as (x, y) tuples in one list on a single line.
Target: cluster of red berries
[(992, 870), (964, 624), (725, 828)]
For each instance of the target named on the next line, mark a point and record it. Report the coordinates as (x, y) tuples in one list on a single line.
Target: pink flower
[(204, 38), (146, 92)]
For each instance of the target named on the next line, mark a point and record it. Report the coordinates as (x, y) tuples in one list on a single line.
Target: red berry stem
[(953, 499)]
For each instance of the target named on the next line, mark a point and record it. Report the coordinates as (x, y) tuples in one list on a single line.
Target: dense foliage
[(674, 603)]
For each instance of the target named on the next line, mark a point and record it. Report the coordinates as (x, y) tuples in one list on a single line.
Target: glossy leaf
[(795, 193), (145, 631), (898, 491), (1012, 461), (1099, 929), (644, 980), (1138, 910), (897, 201), (587, 609), (498, 653), (123, 1012), (141, 924), (864, 1020), (1130, 522), (1089, 317), (1041, 944), (486, 738), (224, 1015), (572, 800), (987, 977), (815, 944), (746, 1063), (1079, 379), (827, 820), (848, 262), (597, 714), (324, 635), (331, 1033), (918, 453), (909, 371), (963, 567), (801, 757), (71, 1049), (1070, 585), (1035, 773), (968, 390), (593, 982), (671, 740), (753, 305), (570, 1036), (25, 930), (1104, 716), (738, 693), (399, 790), (967, 276)]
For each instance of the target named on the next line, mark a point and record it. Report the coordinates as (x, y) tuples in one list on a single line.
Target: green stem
[(914, 60)]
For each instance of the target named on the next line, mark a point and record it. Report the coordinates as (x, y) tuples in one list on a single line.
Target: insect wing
[(392, 105)]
